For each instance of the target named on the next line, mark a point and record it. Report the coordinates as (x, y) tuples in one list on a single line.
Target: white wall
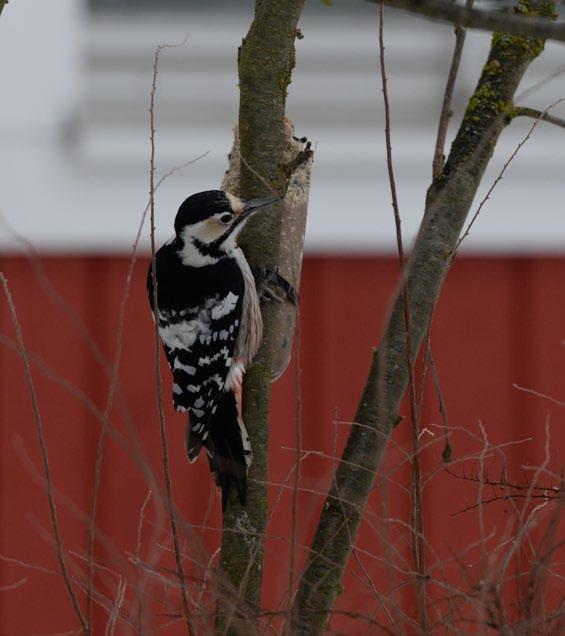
[(74, 126)]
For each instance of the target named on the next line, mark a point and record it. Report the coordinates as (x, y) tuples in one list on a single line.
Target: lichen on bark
[(447, 204), (258, 168)]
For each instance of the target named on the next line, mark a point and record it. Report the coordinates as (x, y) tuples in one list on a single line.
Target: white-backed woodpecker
[(210, 324)]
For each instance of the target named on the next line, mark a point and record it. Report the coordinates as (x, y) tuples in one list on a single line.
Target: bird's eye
[(225, 218)]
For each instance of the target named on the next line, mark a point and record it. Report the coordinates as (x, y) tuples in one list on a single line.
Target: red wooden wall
[(500, 322)]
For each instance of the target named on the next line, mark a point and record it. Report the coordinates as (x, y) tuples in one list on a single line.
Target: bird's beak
[(248, 208), (251, 206)]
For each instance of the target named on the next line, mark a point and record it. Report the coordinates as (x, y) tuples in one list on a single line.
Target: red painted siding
[(499, 322)]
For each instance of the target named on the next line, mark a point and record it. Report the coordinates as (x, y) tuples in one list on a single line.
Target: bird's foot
[(266, 279)]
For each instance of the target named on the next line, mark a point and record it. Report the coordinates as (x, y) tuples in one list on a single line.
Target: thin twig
[(480, 490), (139, 460), (446, 111), (500, 175), (13, 586), (417, 510), (298, 455), (446, 454), (77, 321), (138, 557), (207, 575), (158, 378), (29, 566), (541, 83), (113, 386), (114, 614), (524, 521), (538, 394), (504, 483), (44, 456), (541, 567), (262, 179), (524, 111)]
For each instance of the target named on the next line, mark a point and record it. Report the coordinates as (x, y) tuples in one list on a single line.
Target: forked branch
[(534, 113), (448, 203), (533, 25)]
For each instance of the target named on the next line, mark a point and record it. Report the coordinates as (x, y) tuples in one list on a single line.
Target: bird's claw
[(265, 278)]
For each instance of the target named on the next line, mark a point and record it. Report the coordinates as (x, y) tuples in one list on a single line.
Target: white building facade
[(75, 126)]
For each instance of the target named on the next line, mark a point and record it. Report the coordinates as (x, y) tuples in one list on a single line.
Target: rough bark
[(265, 63), (448, 202), (532, 26)]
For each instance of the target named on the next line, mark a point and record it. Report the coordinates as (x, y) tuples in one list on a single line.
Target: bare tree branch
[(448, 202), (534, 113), (446, 112), (500, 176), (416, 483), (529, 26), (158, 378), (541, 83)]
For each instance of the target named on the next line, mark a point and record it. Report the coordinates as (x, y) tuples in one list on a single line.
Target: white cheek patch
[(205, 232)]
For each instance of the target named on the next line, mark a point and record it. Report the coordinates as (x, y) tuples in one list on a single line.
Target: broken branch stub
[(291, 242)]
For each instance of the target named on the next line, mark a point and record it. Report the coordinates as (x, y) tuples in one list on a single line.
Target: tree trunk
[(272, 240)]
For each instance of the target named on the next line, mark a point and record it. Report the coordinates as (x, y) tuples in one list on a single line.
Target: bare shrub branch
[(446, 112), (60, 552), (158, 378), (416, 478)]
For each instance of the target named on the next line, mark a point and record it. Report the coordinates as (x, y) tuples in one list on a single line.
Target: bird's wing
[(199, 343)]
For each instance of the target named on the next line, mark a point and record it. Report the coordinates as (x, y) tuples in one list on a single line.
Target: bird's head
[(210, 221)]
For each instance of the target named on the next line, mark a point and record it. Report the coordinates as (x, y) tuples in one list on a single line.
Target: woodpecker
[(210, 325)]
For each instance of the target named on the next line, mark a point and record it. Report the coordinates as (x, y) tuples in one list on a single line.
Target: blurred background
[(74, 155), (74, 128)]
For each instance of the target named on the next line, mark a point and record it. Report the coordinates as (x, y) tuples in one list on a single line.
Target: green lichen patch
[(537, 9), (491, 106)]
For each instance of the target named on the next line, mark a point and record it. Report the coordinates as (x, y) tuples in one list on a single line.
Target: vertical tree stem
[(417, 521), (158, 379), (265, 63), (446, 112)]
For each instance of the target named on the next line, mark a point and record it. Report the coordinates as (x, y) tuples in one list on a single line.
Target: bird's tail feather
[(227, 445), (194, 438), (228, 460)]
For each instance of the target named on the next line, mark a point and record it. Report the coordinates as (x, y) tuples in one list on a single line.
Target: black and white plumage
[(210, 325)]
